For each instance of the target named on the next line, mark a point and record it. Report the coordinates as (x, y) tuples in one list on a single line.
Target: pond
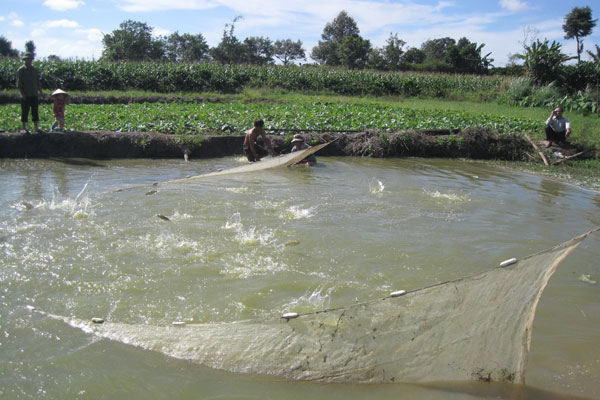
[(247, 246)]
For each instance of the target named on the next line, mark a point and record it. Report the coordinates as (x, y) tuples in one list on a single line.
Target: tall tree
[(326, 52), (353, 52), (132, 42), (6, 49), (287, 51), (466, 57), (186, 48), (229, 50), (30, 47), (579, 24), (257, 51), (414, 56), (437, 49), (393, 52)]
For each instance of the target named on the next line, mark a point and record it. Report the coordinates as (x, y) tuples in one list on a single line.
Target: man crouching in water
[(252, 149)]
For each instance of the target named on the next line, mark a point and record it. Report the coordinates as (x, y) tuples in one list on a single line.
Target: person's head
[(298, 140), (259, 123), (59, 94), (27, 57), (558, 111)]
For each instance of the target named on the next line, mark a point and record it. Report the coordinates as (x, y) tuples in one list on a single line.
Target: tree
[(230, 50), (354, 51), (132, 42), (257, 51), (595, 58), (466, 57), (287, 51), (30, 47), (186, 48), (6, 49), (579, 24), (414, 56), (326, 52), (393, 52), (543, 61), (437, 49)]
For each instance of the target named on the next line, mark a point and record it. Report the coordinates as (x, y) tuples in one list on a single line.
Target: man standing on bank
[(558, 128), (28, 82), (252, 149)]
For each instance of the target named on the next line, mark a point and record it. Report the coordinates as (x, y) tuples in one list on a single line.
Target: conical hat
[(59, 91)]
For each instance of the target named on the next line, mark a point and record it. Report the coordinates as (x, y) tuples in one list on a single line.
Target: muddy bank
[(470, 143)]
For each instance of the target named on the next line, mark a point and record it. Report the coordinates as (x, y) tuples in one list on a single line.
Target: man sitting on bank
[(299, 145), (252, 149), (558, 128)]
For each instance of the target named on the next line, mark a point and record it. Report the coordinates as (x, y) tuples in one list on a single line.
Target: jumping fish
[(163, 217), (148, 193), (292, 243)]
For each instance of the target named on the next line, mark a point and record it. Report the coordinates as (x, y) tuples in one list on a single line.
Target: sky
[(74, 28)]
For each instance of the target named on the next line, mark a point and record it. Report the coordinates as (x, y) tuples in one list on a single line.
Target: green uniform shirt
[(28, 81)]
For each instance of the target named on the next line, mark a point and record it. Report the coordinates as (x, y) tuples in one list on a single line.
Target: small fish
[(148, 193), (28, 206), (97, 320), (587, 279), (292, 243), (163, 217)]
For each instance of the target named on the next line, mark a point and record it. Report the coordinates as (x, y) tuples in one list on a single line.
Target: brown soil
[(470, 143)]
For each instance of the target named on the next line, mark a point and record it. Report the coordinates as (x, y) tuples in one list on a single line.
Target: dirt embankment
[(470, 143)]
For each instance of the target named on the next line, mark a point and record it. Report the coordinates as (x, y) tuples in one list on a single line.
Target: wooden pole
[(538, 150)]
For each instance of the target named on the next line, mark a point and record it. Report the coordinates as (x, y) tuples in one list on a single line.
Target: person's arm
[(268, 142), (20, 83), (568, 126), (550, 118), (250, 142)]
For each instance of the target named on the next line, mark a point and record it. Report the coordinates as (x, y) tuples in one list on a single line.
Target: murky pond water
[(246, 246)]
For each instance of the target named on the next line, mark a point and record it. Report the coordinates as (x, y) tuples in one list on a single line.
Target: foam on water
[(296, 212)]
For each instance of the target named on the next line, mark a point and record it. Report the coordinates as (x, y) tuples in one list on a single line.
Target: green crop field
[(231, 118)]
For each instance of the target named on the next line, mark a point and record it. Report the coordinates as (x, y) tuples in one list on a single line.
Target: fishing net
[(474, 328)]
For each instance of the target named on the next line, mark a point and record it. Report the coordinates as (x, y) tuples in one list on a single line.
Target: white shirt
[(558, 125)]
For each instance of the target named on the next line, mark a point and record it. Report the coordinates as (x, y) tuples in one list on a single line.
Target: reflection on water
[(239, 247)]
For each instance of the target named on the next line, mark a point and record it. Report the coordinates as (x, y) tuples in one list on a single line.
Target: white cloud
[(93, 35), (156, 32), (514, 5), (162, 5), (61, 23), (17, 23), (63, 5)]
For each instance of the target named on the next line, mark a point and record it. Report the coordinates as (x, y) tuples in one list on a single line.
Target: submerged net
[(474, 328)]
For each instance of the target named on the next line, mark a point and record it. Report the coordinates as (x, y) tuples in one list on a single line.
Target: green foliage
[(544, 61), (132, 42), (190, 118), (181, 77), (230, 49), (578, 24), (327, 51), (287, 51), (6, 49), (257, 51), (186, 48), (353, 52)]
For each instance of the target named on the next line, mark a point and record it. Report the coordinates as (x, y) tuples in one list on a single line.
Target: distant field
[(231, 118)]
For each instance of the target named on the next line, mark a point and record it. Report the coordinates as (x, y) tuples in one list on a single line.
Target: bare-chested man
[(252, 149)]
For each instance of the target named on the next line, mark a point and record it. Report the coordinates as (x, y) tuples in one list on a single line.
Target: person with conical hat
[(30, 87), (299, 145), (60, 98)]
